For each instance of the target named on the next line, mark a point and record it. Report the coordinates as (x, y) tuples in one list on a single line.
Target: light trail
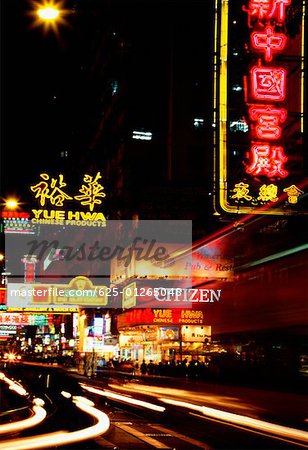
[(64, 437), (217, 400), (256, 424), (275, 256), (123, 398), (13, 385), (38, 412), (13, 427)]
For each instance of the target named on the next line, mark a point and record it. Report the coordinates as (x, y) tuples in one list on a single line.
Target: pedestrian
[(143, 368)]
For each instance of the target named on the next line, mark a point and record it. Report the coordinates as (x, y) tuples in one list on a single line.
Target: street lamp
[(49, 14), (11, 203)]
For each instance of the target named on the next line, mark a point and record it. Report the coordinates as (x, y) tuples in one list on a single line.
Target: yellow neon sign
[(53, 190)]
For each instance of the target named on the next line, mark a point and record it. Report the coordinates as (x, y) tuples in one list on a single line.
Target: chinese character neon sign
[(267, 160), (267, 84), (90, 191), (254, 169), (267, 9), (268, 42), (50, 189), (268, 120), (53, 191)]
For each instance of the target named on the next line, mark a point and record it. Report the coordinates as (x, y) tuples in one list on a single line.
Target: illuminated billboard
[(259, 101)]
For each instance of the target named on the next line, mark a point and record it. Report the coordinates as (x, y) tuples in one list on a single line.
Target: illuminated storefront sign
[(7, 330), (205, 263), (195, 333), (53, 191), (62, 310), (25, 319), (79, 291), (2, 296), (17, 222), (129, 296), (261, 171), (156, 316)]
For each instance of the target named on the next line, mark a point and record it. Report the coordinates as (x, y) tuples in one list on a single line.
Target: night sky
[(46, 93)]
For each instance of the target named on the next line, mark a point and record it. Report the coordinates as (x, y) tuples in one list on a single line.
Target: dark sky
[(45, 84), (43, 89)]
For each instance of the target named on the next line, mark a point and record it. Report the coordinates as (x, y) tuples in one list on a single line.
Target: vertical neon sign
[(260, 168), (268, 85)]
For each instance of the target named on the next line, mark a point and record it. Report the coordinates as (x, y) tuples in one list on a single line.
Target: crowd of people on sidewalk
[(193, 368)]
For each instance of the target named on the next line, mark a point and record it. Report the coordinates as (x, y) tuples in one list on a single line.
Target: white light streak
[(142, 135), (260, 425), (12, 385), (66, 394), (123, 398), (38, 417), (62, 437)]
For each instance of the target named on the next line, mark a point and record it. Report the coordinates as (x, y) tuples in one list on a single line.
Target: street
[(155, 413)]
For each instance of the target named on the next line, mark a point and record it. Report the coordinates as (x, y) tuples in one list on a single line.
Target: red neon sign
[(267, 160), (268, 83), (268, 119), (267, 9), (268, 42), (14, 215)]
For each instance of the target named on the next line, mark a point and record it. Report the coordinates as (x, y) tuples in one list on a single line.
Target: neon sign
[(268, 120), (268, 83), (267, 160), (264, 40), (268, 42), (53, 191), (267, 9)]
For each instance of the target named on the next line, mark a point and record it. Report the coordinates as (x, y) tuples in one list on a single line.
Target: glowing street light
[(11, 203), (48, 13)]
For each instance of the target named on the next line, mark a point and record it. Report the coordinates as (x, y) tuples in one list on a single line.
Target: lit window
[(198, 122), (239, 125), (237, 88), (114, 87), (142, 135)]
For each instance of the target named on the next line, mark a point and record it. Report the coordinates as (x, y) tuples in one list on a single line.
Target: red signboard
[(25, 319), (2, 296), (14, 215), (157, 316)]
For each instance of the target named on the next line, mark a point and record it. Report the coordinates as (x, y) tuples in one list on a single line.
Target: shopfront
[(163, 334)]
